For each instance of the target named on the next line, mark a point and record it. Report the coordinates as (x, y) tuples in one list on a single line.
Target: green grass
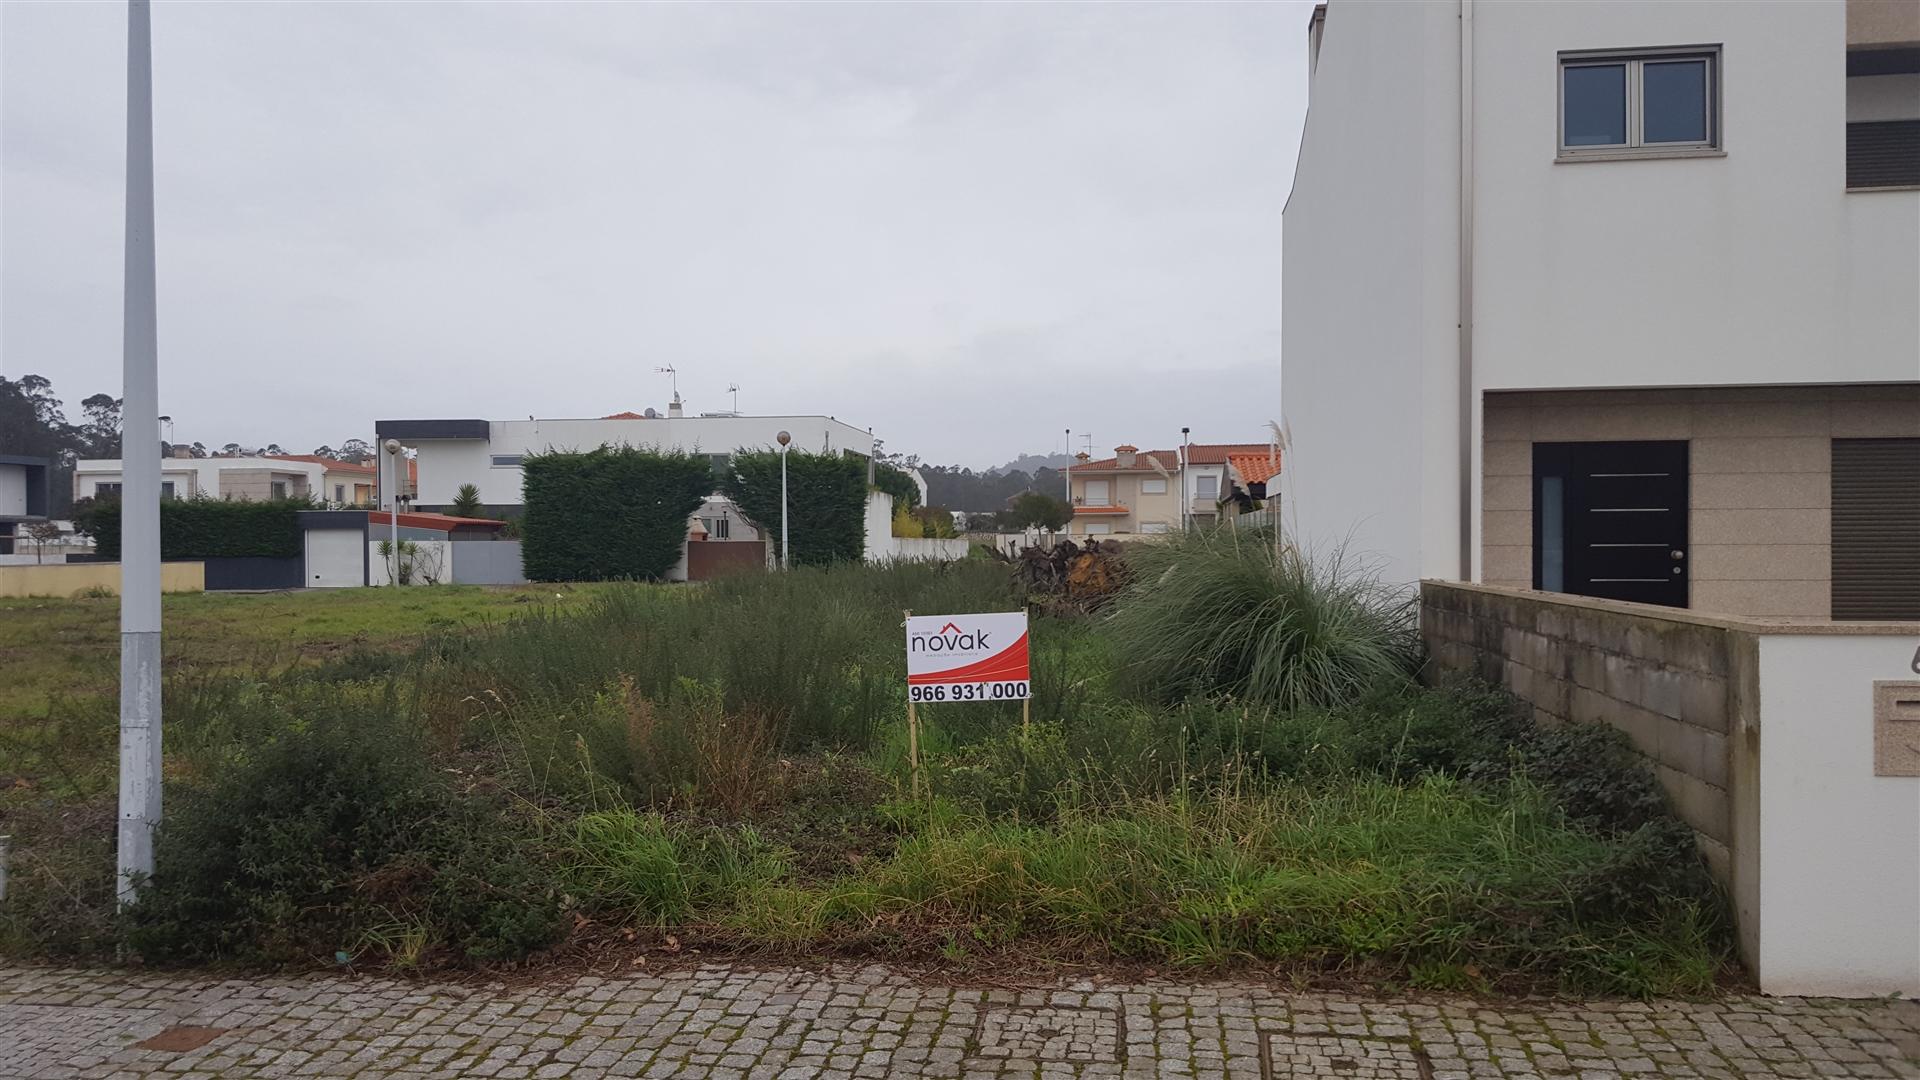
[(71, 647), (446, 776)]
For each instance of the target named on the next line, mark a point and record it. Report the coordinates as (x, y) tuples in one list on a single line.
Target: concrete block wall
[(1675, 687)]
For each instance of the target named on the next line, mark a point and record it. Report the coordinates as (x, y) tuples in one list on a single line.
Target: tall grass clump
[(1214, 613)]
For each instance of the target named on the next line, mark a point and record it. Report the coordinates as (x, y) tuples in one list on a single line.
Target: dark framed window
[(1644, 102)]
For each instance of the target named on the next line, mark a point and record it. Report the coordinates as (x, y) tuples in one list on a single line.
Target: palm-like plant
[(466, 501)]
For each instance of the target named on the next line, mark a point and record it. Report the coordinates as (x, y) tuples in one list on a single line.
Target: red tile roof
[(1217, 453), (441, 522), (1197, 454), (627, 416), (1256, 468), (1170, 459), (330, 463)]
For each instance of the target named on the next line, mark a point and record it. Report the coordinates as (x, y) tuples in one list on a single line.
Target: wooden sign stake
[(913, 731)]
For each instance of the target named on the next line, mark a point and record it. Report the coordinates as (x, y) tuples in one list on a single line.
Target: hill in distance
[(1027, 463)]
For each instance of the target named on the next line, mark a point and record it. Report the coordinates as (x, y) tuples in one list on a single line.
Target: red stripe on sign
[(1008, 664)]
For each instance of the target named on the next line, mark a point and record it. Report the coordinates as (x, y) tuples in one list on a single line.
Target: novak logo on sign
[(967, 657)]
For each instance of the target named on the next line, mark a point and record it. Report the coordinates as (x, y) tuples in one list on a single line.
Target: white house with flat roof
[(488, 453)]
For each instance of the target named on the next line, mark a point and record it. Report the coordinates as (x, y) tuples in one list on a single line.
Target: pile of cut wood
[(1073, 576)]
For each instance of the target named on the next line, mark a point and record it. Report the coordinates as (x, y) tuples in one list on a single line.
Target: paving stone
[(853, 1023)]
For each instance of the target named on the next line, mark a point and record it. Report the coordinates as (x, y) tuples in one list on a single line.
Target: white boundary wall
[(1839, 846)]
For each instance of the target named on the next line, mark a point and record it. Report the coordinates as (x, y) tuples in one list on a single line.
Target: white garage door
[(336, 558)]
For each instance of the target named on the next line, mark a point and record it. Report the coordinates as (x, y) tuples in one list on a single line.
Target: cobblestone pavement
[(733, 1022)]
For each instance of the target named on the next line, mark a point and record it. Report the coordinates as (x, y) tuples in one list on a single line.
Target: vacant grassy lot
[(71, 647), (1231, 765)]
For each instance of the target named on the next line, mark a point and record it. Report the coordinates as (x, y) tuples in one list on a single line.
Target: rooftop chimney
[(1123, 456), (674, 409)]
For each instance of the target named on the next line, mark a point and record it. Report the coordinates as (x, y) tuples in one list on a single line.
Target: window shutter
[(1876, 528), (1883, 153)]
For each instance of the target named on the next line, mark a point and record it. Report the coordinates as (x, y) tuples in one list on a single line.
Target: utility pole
[(140, 480)]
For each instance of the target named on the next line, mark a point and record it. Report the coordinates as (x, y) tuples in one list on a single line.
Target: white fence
[(487, 562), (917, 549), (423, 562)]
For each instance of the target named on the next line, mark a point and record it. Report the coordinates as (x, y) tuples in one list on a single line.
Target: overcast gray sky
[(968, 226)]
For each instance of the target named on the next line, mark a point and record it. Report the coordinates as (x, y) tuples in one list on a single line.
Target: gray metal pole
[(393, 449), (783, 508), (140, 480)]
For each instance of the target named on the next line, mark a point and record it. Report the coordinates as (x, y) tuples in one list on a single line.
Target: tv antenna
[(734, 389), (673, 375)]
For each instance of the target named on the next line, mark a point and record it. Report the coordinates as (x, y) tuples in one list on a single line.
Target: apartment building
[(489, 453), (1150, 492), (1613, 299)]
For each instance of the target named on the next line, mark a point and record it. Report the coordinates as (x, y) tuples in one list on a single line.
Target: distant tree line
[(33, 422)]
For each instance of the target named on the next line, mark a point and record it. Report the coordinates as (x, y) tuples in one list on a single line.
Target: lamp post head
[(1183, 431), (783, 439), (392, 446)]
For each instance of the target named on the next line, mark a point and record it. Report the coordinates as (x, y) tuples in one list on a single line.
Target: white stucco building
[(1622, 301), (488, 453), (1613, 298)]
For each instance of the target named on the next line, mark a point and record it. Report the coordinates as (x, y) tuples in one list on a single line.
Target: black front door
[(1610, 520)]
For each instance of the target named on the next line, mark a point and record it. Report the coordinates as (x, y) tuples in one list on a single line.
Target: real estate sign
[(967, 657)]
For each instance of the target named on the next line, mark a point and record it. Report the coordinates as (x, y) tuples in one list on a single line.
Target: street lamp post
[(140, 480), (784, 438), (393, 449), (1186, 497)]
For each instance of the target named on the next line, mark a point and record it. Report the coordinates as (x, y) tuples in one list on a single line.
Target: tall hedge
[(205, 528), (826, 502), (611, 513), (898, 484)]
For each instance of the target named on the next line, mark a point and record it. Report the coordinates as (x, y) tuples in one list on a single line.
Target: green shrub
[(1211, 613), (826, 502), (204, 528), (324, 839), (611, 513)]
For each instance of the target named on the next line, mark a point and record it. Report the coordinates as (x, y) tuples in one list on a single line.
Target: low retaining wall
[(65, 579), (1816, 840), (1677, 689)]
